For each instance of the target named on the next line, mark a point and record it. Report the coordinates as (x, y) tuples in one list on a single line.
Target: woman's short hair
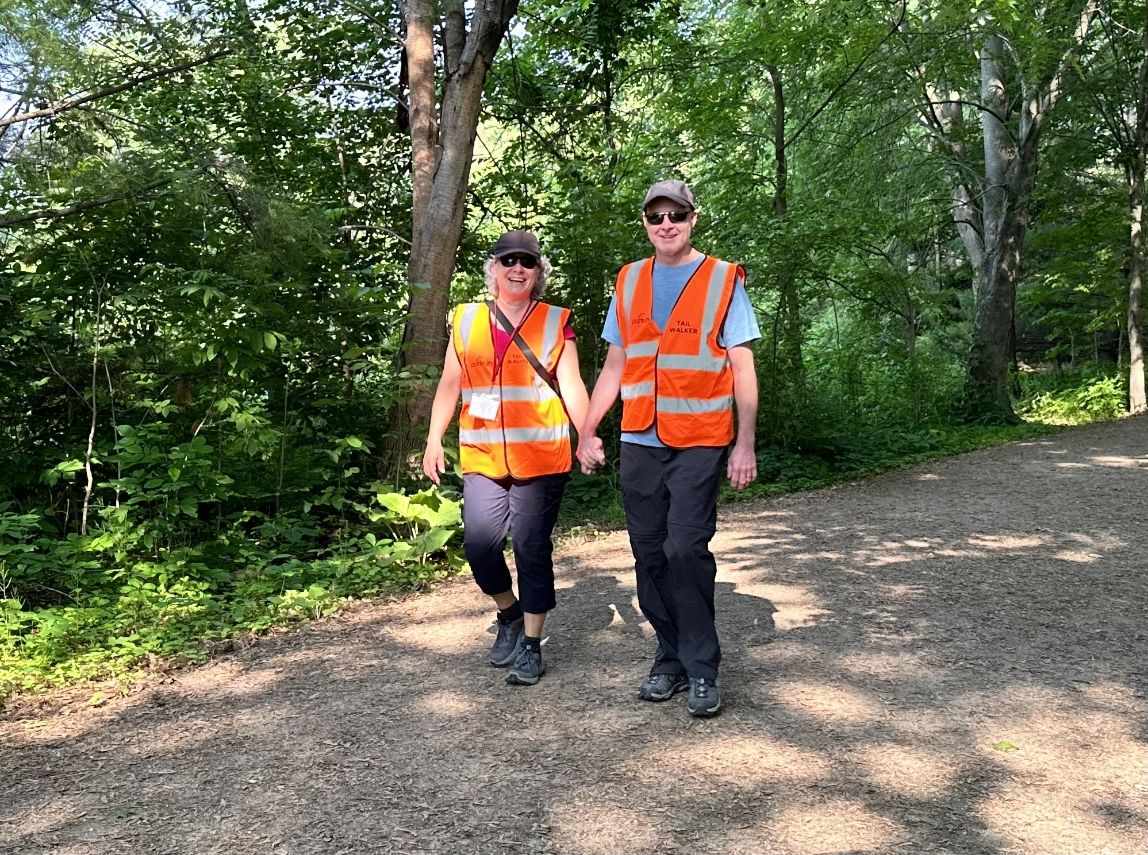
[(544, 270)]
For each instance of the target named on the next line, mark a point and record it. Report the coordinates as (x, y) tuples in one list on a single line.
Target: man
[(680, 330)]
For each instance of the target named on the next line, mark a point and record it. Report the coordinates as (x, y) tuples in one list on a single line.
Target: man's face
[(669, 238)]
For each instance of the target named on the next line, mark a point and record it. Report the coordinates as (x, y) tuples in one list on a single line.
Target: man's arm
[(591, 454), (742, 466)]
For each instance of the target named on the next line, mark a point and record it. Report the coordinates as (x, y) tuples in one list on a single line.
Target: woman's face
[(516, 282)]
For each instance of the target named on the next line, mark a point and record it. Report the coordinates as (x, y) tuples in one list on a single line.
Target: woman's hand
[(434, 461)]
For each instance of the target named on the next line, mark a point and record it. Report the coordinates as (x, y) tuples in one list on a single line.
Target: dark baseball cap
[(518, 240), (672, 189)]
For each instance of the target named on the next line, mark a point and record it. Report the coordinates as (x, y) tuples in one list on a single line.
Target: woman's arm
[(571, 386), (442, 411)]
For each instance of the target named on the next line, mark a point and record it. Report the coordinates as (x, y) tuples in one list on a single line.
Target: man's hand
[(591, 454), (742, 467), (434, 461)]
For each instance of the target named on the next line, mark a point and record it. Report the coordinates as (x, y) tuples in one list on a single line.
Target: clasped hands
[(591, 454), (741, 467)]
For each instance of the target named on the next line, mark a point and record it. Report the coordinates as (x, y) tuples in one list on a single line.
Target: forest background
[(232, 230)]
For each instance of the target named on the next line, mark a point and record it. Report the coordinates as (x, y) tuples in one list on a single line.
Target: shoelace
[(702, 688)]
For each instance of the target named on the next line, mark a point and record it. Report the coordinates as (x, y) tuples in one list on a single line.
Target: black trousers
[(670, 498), (527, 510)]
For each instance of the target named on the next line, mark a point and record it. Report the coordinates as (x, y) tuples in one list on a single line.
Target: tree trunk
[(1138, 257), (442, 146), (991, 212), (785, 391)]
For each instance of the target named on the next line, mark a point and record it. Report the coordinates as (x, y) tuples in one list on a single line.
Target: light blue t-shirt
[(740, 325)]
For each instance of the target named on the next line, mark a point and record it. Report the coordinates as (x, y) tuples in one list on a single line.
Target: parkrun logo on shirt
[(683, 326), (640, 318)]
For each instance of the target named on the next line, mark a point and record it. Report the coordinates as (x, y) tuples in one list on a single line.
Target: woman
[(514, 362)]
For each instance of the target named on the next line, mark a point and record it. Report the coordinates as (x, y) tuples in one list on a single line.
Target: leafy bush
[(113, 613), (1093, 392)]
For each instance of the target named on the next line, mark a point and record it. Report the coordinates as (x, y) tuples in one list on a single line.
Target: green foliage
[(256, 574), (1092, 392)]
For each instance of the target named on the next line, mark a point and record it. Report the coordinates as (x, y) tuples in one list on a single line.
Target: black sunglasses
[(654, 218), (528, 262)]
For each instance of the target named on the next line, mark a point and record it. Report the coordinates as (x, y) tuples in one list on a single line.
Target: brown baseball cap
[(518, 240), (672, 189)]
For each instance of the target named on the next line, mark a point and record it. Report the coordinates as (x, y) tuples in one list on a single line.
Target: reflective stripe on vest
[(677, 379), (530, 435), (492, 436)]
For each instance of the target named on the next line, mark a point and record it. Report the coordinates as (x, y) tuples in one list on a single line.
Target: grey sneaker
[(508, 642), (662, 687), (527, 668), (705, 699)]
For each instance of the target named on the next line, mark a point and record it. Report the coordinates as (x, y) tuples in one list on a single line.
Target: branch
[(86, 205), (845, 82), (132, 83), (1038, 105)]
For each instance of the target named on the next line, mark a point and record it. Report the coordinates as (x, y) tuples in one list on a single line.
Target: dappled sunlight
[(907, 770), (882, 555), (1106, 542), (1059, 817), (446, 634), (928, 476), (757, 548), (1053, 729), (886, 666), (70, 723), (1044, 731), (795, 606), (817, 556), (1069, 465), (1076, 556), (1118, 462), (448, 704), (829, 702), (586, 826), (744, 761), (52, 816), (1007, 541), (935, 725), (903, 592), (248, 682), (624, 578), (949, 552), (826, 826), (922, 543), (792, 655)]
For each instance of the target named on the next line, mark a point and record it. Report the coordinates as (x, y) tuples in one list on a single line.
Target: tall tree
[(1021, 78), (445, 93)]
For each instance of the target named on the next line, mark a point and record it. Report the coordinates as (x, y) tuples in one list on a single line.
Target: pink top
[(502, 339)]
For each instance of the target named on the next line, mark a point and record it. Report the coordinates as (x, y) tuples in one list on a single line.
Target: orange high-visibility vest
[(530, 435), (677, 379)]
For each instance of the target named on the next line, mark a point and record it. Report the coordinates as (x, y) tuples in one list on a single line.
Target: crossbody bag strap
[(542, 370)]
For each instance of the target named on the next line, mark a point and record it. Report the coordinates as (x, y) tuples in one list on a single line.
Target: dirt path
[(948, 659)]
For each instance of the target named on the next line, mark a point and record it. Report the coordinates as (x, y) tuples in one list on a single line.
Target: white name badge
[(484, 405)]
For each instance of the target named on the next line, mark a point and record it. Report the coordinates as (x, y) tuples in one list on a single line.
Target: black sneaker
[(508, 642), (662, 687), (705, 699), (527, 667)]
